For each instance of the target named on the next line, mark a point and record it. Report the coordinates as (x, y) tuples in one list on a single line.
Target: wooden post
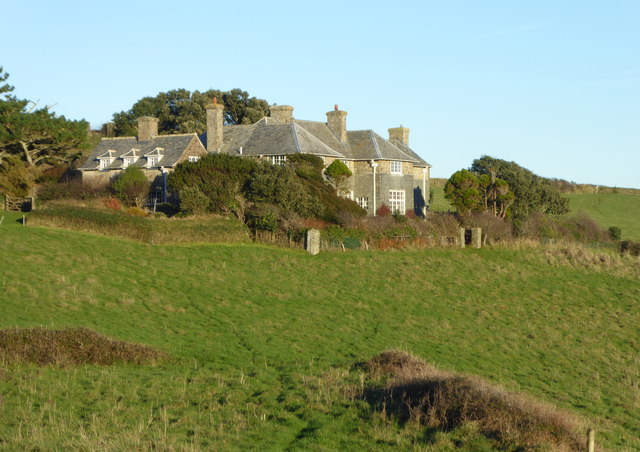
[(462, 238), (592, 440), (24, 222)]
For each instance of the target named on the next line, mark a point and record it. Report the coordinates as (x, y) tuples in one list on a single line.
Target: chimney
[(281, 114), (215, 119), (147, 128), (400, 134), (337, 122)]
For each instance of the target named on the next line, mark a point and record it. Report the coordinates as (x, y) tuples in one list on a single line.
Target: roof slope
[(172, 148), (311, 137)]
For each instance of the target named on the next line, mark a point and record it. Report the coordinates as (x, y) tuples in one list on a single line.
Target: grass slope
[(611, 209), (263, 341)]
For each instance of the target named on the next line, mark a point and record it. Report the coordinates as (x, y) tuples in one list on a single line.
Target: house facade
[(155, 154), (385, 171)]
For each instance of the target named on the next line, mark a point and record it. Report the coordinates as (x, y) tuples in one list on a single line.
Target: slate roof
[(311, 137), (171, 147)]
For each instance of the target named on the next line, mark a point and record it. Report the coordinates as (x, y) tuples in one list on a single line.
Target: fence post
[(461, 236), (592, 440), (313, 241)]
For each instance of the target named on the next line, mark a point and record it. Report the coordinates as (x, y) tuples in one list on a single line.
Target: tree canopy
[(35, 137), (532, 193), (183, 111), (338, 173), (502, 188)]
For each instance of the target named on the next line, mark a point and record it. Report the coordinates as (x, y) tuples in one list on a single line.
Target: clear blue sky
[(551, 84)]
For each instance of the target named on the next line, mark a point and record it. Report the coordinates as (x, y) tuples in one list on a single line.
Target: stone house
[(385, 171), (155, 154)]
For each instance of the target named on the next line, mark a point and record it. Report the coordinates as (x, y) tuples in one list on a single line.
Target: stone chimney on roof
[(337, 122), (215, 121), (281, 114), (399, 134), (147, 128)]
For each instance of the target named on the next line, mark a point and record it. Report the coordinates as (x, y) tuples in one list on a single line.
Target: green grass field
[(262, 341), (439, 203), (611, 209)]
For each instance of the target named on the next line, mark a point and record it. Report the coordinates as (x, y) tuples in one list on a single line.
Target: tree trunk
[(27, 156)]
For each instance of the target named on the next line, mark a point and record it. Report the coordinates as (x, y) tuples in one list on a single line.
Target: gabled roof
[(267, 137), (172, 148)]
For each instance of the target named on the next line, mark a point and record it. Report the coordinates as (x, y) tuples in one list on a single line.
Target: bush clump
[(71, 346), (417, 391)]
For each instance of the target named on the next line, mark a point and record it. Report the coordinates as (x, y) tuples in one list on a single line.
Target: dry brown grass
[(71, 346), (419, 392)]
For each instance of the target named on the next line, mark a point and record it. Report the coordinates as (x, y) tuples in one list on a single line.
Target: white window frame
[(363, 201), (278, 159), (128, 161), (397, 201), (396, 167), (104, 163), (153, 160), (193, 158)]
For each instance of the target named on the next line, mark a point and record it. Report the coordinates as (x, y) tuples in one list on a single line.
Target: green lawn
[(611, 209), (263, 340)]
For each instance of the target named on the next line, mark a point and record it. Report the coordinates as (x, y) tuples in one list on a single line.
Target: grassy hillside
[(438, 202), (611, 209), (263, 340)]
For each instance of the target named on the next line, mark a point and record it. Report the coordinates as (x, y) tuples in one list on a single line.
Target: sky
[(553, 85)]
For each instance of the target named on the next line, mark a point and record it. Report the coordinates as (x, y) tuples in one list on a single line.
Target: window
[(348, 195), (363, 202), (194, 158), (396, 201), (128, 161), (396, 167), (104, 163), (153, 160), (278, 159)]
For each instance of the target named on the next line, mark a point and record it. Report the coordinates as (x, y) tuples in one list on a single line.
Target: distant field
[(439, 203), (611, 209), (264, 341)]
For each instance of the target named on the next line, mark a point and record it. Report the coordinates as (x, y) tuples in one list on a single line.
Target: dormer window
[(396, 167), (194, 158), (106, 159), (154, 157), (129, 158)]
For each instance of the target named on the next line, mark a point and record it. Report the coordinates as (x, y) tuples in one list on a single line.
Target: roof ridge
[(295, 136)]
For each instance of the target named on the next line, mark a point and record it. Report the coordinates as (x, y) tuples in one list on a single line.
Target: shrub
[(193, 201), (383, 210), (112, 203), (72, 189), (279, 185), (615, 233), (71, 346), (629, 247), (136, 212), (15, 178), (132, 186), (338, 173), (417, 391)]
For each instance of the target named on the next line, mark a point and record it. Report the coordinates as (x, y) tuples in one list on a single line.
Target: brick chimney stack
[(215, 121), (337, 122), (147, 128), (281, 114), (399, 134)]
